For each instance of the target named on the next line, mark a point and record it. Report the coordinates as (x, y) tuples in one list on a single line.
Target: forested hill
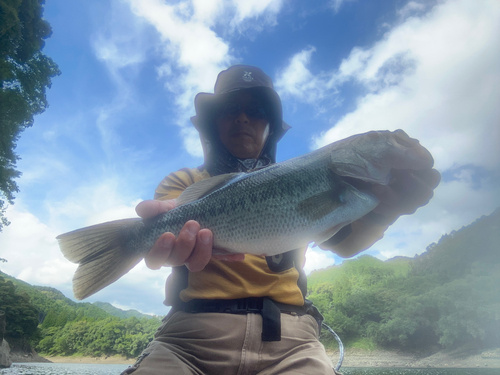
[(447, 297), (47, 299), (123, 314), (56, 325)]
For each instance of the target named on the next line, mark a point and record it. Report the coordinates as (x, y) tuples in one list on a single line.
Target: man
[(247, 314)]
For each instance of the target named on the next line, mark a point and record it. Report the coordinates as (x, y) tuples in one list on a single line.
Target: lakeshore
[(441, 359), (112, 360)]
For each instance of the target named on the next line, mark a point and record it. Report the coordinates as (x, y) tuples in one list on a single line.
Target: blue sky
[(118, 120)]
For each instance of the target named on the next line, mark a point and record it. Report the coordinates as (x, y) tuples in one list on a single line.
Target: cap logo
[(247, 77)]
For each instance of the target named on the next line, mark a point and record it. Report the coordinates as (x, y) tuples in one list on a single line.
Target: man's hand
[(407, 191), (412, 184), (192, 247), (400, 171)]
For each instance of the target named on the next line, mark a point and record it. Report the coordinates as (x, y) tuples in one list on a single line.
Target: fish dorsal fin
[(204, 187)]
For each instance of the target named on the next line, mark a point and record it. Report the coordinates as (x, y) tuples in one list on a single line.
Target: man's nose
[(242, 118)]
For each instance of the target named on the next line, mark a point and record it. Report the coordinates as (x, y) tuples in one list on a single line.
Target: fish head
[(371, 156)]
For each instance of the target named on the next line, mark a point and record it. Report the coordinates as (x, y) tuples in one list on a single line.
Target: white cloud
[(31, 250), (124, 44), (249, 11), (193, 52), (455, 204), (189, 44), (317, 259), (122, 41), (410, 8), (448, 87), (296, 80), (437, 77), (337, 4)]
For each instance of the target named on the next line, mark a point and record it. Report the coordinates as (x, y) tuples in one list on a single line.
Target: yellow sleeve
[(175, 183)]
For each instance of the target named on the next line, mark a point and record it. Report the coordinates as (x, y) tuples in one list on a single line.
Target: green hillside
[(447, 297), (122, 314), (55, 325), (49, 300)]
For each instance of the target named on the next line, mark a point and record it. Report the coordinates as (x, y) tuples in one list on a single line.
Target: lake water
[(99, 369), (62, 369)]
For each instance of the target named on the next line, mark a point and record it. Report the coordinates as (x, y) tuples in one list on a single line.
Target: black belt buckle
[(247, 305), (197, 306)]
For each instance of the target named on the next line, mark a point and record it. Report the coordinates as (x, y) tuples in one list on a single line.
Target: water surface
[(63, 369), (100, 369)]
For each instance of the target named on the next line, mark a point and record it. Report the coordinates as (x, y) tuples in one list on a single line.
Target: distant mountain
[(447, 297), (122, 314), (48, 299), (370, 267), (56, 325)]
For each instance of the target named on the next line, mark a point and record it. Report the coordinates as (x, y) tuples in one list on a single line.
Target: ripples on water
[(99, 369)]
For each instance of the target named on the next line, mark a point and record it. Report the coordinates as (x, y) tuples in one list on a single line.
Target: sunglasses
[(233, 110)]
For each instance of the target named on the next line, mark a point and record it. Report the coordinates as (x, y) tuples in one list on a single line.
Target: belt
[(269, 309)]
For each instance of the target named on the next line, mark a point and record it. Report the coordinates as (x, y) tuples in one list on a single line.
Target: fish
[(269, 211)]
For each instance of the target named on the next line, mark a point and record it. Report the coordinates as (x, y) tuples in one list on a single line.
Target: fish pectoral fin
[(205, 187), (319, 205), (327, 234)]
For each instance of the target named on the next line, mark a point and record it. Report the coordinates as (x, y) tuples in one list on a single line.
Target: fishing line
[(341, 346)]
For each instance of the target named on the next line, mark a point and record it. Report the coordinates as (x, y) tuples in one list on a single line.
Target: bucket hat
[(235, 78)]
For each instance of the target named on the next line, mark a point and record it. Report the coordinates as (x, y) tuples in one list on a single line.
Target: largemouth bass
[(273, 210)]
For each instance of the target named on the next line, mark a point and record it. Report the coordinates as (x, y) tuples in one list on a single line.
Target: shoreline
[(442, 359), (112, 360), (353, 358)]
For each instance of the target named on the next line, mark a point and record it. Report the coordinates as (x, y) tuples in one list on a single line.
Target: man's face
[(243, 126)]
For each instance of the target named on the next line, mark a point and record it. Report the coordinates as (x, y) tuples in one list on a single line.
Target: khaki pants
[(230, 344)]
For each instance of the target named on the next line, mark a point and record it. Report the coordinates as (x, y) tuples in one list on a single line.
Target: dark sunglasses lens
[(230, 109), (254, 111)]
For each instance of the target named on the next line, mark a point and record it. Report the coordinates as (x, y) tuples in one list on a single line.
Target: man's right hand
[(192, 247)]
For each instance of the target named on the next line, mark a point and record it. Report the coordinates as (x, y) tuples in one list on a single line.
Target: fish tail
[(100, 254)]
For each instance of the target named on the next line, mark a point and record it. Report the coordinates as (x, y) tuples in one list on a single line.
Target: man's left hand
[(406, 192)]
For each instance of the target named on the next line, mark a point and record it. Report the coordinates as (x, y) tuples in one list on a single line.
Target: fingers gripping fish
[(267, 212)]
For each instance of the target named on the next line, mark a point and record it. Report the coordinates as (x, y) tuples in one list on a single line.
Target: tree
[(25, 73), (21, 316)]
